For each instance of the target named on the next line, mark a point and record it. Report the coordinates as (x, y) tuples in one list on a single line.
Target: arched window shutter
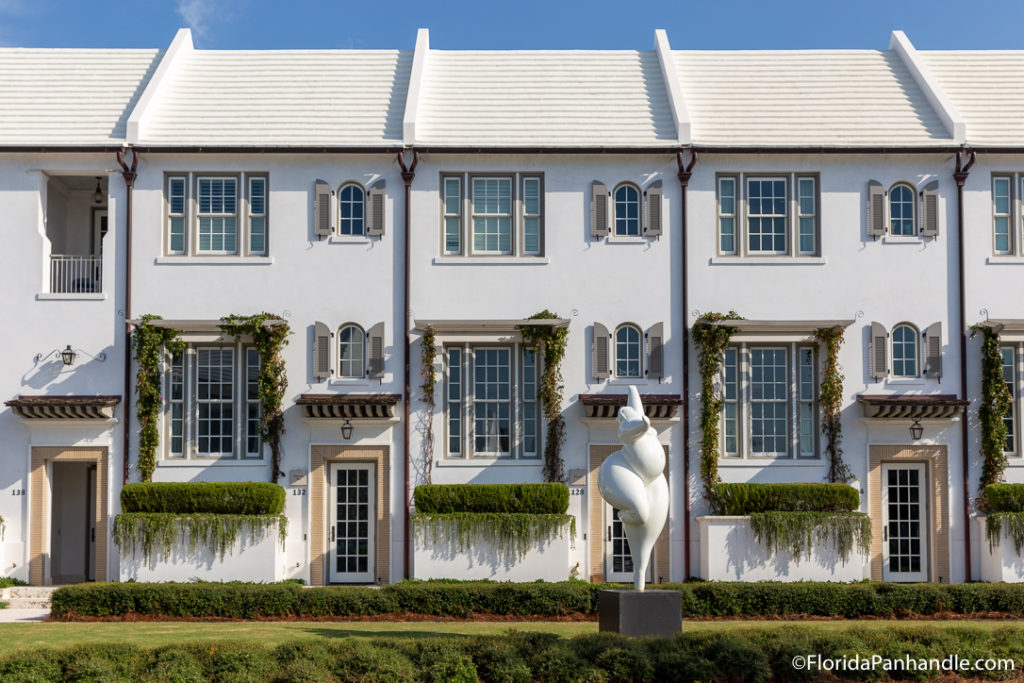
[(375, 336), (876, 209), (930, 210), (599, 352), (879, 352), (323, 217), (933, 351), (599, 210), (321, 351), (375, 209), (653, 209), (656, 351)]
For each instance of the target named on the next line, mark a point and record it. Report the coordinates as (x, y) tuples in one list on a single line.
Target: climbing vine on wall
[(269, 340), (995, 404), (830, 400), (510, 534), (152, 532), (551, 342), (148, 342), (428, 353), (711, 343)]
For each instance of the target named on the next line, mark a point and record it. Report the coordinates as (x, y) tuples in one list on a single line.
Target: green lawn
[(151, 634)]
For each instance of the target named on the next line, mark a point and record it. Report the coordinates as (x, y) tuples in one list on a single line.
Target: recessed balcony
[(76, 224)]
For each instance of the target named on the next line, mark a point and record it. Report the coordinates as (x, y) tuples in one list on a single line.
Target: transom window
[(351, 210), (769, 401), (905, 349), (491, 401), (628, 345), (902, 200), (500, 215), (216, 215), (627, 210), (351, 352), (212, 405), (768, 218)]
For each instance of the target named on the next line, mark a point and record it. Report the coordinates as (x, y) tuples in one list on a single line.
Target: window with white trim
[(351, 352), (768, 215), (1007, 214), (351, 210), (491, 401), (769, 401), (902, 210), (905, 351), (626, 208), (628, 352), (492, 214), (210, 214), (1012, 354), (212, 404)]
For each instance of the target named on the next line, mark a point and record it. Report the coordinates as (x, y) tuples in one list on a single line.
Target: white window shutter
[(879, 352), (656, 351), (321, 351), (375, 343), (323, 216), (599, 210), (930, 210), (876, 209), (599, 357), (933, 351), (653, 207), (375, 209)]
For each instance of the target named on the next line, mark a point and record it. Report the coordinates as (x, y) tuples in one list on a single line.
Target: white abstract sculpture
[(632, 480)]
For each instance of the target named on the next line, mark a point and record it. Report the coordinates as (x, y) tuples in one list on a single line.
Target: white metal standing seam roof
[(988, 89), (70, 97), (826, 98), (506, 98), (282, 98)]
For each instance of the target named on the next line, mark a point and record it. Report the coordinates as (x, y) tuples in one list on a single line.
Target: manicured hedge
[(745, 499), (748, 655), (220, 497), (1005, 497), (462, 599), (523, 498)]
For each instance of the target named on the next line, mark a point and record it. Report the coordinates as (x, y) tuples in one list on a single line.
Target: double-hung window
[(491, 401), (492, 214), (769, 401), (768, 215), (1007, 214), (212, 402), (211, 214)]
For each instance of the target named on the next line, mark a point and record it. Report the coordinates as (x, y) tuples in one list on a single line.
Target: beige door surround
[(320, 456), (936, 459), (595, 513), (39, 505)]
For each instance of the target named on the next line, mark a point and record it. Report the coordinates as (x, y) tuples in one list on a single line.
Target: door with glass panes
[(618, 560), (904, 522), (351, 527)]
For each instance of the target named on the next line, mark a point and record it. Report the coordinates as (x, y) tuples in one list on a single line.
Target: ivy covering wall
[(428, 355), (550, 343), (148, 343), (995, 404), (711, 342), (830, 400)]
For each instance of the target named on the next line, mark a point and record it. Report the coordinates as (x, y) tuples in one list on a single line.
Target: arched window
[(904, 351), (350, 352), (627, 351), (901, 210), (351, 208), (627, 210)]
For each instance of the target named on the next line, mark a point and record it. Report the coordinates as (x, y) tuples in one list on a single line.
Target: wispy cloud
[(195, 13)]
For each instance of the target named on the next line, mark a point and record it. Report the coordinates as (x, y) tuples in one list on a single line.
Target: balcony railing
[(71, 274)]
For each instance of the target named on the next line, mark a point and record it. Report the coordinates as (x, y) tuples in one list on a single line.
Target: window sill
[(490, 260), (215, 260), (488, 462), (83, 296), (774, 462), (1005, 260), (626, 381), (348, 239), (211, 462), (612, 239), (900, 239), (909, 382), (768, 260), (342, 383)]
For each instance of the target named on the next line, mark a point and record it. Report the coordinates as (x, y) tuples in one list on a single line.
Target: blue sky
[(525, 24)]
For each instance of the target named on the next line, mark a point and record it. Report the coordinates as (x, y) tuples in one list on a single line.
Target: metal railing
[(71, 274)]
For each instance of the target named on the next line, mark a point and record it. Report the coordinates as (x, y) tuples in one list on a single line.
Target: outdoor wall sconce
[(69, 355), (97, 196), (916, 430), (346, 430)]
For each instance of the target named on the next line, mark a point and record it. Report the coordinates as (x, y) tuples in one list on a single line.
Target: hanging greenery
[(428, 354), (1012, 522), (830, 400), (551, 342), (799, 532), (161, 531), (148, 343), (711, 343), (269, 341), (995, 404), (511, 534)]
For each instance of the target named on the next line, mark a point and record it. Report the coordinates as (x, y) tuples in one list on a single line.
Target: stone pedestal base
[(645, 613)]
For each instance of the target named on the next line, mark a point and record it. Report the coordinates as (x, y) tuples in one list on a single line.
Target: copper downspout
[(128, 173), (684, 180), (408, 173), (960, 176)]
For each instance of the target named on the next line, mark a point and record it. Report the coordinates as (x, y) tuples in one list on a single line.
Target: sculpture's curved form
[(633, 481)]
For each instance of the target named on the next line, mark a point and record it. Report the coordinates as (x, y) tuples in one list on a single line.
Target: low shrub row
[(492, 498), (463, 599), (751, 655), (214, 497), (745, 499)]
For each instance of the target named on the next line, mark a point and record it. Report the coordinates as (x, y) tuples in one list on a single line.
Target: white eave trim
[(413, 94), (937, 97), (781, 326), (489, 325), (178, 51), (195, 326), (673, 86)]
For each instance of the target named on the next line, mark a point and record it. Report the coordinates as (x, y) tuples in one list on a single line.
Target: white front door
[(904, 522), (618, 559), (351, 523)]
